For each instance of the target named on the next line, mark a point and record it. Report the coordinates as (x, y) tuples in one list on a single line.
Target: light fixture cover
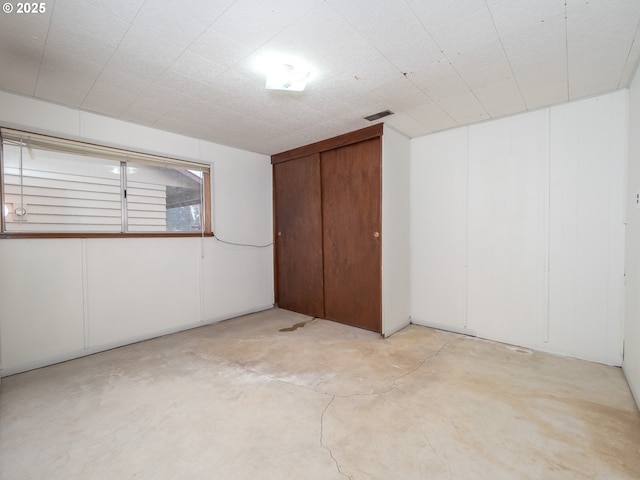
[(287, 77)]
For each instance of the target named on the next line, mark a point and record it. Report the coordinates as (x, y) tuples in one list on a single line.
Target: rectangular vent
[(378, 115)]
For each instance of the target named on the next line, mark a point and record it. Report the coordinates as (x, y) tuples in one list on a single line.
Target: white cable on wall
[(214, 228)]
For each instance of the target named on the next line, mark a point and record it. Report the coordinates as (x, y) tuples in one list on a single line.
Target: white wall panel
[(588, 151), (242, 203), (41, 291), (506, 228), (241, 193), (60, 299), (438, 190), (631, 363), (136, 286), (395, 231), (114, 132), (236, 280), (543, 230), (42, 117)]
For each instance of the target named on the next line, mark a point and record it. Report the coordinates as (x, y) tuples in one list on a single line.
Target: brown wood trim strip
[(23, 235), (276, 240), (329, 144), (207, 203)]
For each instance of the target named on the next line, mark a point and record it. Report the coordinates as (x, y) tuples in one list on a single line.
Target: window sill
[(22, 235)]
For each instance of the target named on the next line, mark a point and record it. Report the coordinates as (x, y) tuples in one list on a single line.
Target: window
[(52, 185)]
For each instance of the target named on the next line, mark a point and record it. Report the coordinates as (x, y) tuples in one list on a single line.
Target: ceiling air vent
[(378, 115)]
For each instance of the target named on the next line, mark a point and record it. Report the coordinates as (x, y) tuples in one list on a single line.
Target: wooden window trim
[(23, 235), (208, 232)]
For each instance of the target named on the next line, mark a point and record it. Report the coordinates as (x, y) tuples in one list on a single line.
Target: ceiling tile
[(327, 108), (142, 115), (19, 73), (501, 98), (285, 11), (332, 36), (398, 94), (511, 16), (132, 64), (153, 103), (206, 11), (173, 21), (545, 94), (374, 74), (483, 66), (551, 78), (28, 49), (124, 9), (632, 61), (173, 125), (178, 83), (107, 99), (222, 127), (399, 29), (88, 21), (464, 108), (192, 111), (19, 29), (66, 80), (122, 81), (243, 95), (456, 26), (534, 45), (360, 81), (192, 65), (84, 47), (446, 11), (149, 46), (416, 57), (407, 125), (219, 48), (594, 30), (439, 80), (144, 55), (305, 134), (365, 13), (253, 22), (286, 48), (432, 117)]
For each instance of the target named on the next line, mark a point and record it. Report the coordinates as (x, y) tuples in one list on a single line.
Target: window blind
[(45, 142)]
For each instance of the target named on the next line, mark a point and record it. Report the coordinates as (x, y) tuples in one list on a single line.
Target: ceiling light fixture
[(287, 77)]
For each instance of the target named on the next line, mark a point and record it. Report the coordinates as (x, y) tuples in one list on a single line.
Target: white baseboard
[(447, 328), (15, 369)]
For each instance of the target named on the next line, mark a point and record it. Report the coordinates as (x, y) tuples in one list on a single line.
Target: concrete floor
[(277, 395)]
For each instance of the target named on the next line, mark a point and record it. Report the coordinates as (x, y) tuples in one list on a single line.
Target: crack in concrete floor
[(393, 385), (380, 409), (324, 445)]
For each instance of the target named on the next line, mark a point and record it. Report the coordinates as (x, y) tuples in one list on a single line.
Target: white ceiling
[(190, 66)]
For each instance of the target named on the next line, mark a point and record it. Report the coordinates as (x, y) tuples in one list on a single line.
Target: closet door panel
[(352, 237), (299, 235)]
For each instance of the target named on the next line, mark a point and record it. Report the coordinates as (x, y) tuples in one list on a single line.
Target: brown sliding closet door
[(299, 235), (352, 237)]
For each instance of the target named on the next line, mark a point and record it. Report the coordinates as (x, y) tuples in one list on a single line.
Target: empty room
[(320, 239)]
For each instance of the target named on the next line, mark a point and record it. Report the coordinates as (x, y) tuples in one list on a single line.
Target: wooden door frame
[(350, 138), (329, 144)]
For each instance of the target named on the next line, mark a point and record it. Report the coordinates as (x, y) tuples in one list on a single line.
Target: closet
[(328, 204)]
